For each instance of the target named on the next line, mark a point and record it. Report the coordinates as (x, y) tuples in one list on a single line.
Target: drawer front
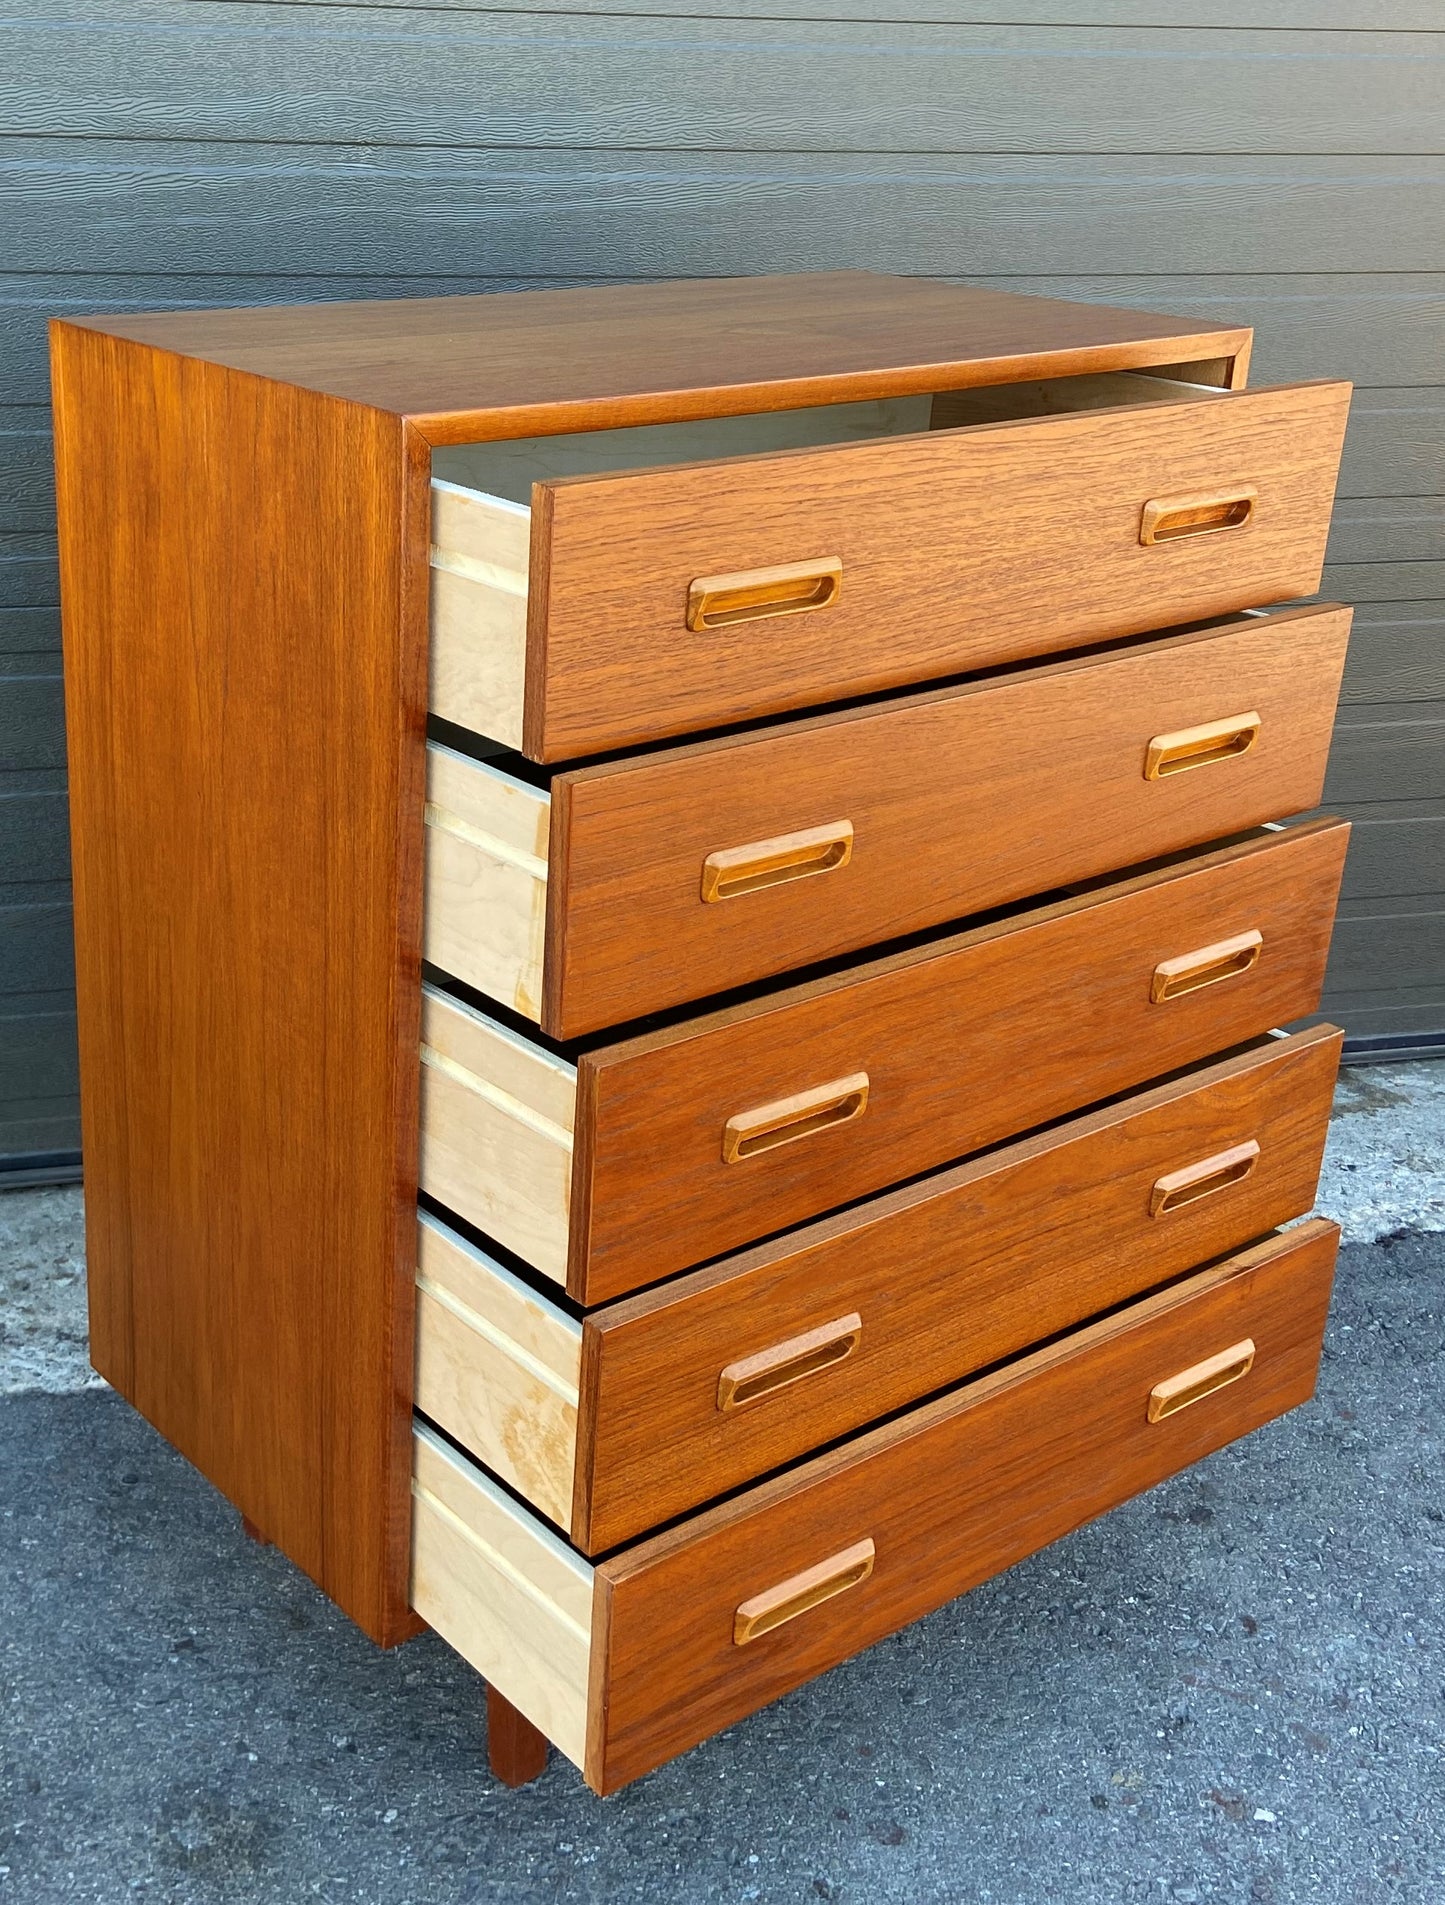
[(725, 1613), (694, 1140), (709, 1381), (947, 552), (713, 866)]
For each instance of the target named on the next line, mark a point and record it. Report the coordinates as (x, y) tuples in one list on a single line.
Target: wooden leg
[(252, 1532), (516, 1750)]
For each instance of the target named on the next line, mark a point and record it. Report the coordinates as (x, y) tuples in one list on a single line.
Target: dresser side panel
[(244, 582)]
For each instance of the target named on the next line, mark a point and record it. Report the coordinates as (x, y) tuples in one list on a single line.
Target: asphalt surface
[(1231, 1689)]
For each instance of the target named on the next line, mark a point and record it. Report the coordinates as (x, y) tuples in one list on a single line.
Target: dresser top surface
[(536, 362)]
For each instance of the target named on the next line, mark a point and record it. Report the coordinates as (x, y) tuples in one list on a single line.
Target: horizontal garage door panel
[(76, 204), (200, 72)]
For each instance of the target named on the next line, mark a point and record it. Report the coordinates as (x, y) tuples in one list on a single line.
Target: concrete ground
[(1230, 1690)]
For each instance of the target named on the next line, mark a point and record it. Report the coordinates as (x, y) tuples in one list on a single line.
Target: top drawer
[(625, 607)]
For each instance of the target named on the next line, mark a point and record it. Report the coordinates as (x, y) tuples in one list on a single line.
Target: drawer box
[(626, 607), (624, 889), (654, 1405), (628, 1662), (615, 1165)]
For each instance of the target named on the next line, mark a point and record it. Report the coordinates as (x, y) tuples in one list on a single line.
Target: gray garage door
[(1169, 154)]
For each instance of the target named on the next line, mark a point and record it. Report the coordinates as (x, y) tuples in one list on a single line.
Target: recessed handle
[(1173, 518), (1191, 972), (1198, 747), (786, 1120), (800, 1592), (1177, 1188), (789, 856), (1167, 1398), (754, 1377), (751, 595)]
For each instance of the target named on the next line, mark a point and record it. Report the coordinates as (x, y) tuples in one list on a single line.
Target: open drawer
[(650, 1407), (584, 898), (610, 1165), (622, 607), (628, 1662)]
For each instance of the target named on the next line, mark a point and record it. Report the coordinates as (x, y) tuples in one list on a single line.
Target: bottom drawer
[(626, 1662)]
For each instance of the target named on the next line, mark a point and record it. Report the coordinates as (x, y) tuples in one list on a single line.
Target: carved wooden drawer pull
[(1191, 972), (1172, 518), (1167, 1398), (752, 1378), (789, 856), (788, 1119), (1178, 1188), (800, 1592), (752, 595), (1200, 747)]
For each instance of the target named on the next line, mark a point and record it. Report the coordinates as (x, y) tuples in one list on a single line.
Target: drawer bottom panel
[(627, 1662)]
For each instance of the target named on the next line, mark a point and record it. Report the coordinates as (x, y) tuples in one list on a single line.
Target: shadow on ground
[(1229, 1690)]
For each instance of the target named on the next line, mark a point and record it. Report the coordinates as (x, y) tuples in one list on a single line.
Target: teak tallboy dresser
[(759, 801)]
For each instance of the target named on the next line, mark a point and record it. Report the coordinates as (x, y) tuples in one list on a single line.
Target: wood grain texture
[(478, 651), (516, 1750), (538, 362), (966, 1040), (950, 1495), (888, 85), (486, 878), (497, 1367), (501, 1588), (244, 649), (1374, 328), (497, 1117), (1392, 454), (1035, 522), (960, 799), (956, 1272)]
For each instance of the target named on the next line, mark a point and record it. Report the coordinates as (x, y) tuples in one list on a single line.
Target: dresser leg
[(252, 1532), (516, 1750)]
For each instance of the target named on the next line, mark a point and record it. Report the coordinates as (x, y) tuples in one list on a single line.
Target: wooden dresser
[(759, 801)]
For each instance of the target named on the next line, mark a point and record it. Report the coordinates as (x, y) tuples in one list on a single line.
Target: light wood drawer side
[(497, 1367), (486, 878), (509, 1596), (496, 1130)]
